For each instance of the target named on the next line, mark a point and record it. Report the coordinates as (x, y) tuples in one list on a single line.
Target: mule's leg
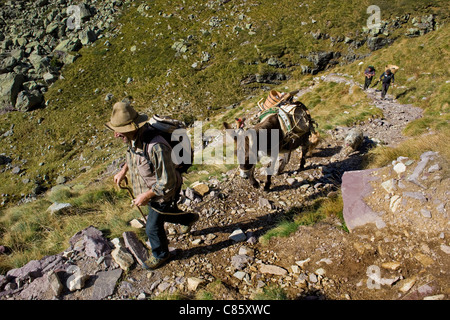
[(303, 158), (283, 161), (269, 171), (252, 179), (267, 184), (254, 182)]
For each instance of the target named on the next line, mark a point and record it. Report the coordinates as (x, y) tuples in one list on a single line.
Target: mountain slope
[(252, 47)]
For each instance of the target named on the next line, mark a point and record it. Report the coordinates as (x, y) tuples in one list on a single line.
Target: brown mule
[(307, 142)]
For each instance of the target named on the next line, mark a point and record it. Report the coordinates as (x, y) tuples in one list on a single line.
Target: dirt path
[(396, 116)]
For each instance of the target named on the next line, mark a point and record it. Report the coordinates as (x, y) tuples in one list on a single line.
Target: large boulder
[(10, 86), (7, 63), (354, 139), (27, 101), (85, 11), (69, 45), (87, 36), (355, 187), (93, 242), (40, 63), (376, 43)]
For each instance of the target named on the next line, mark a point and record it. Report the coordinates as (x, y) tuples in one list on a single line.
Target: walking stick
[(130, 192), (376, 84)]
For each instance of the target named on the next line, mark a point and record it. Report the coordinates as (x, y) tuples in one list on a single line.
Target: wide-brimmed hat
[(125, 119)]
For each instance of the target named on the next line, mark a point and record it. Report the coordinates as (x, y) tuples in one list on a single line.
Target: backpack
[(295, 119), (165, 127)]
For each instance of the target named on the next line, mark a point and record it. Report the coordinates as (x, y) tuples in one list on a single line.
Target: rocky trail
[(396, 257)]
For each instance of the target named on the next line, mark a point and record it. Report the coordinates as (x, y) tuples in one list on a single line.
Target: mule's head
[(245, 147), (313, 141), (245, 168)]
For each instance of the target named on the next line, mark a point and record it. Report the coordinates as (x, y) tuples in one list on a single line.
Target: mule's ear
[(226, 125)]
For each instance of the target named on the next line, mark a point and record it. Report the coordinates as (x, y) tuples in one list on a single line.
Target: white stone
[(426, 213), (326, 260), (290, 181), (295, 269), (244, 250), (389, 185), (436, 297), (320, 272), (272, 269), (301, 263), (123, 258), (392, 265), (238, 235), (77, 282), (137, 224), (394, 203), (407, 285), (116, 242), (399, 168), (193, 283), (445, 248), (240, 275), (312, 278), (58, 207)]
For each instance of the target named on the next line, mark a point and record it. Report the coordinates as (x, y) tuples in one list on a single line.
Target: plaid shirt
[(153, 168)]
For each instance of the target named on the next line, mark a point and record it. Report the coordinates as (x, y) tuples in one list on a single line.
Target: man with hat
[(154, 177)]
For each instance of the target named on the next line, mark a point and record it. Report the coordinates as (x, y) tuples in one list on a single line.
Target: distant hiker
[(155, 180), (386, 79), (369, 73)]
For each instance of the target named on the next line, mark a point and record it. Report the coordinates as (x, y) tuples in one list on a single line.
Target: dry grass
[(33, 232), (411, 148), (334, 104)]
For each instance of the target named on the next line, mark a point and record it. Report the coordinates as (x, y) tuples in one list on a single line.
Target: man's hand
[(144, 198), (121, 175)]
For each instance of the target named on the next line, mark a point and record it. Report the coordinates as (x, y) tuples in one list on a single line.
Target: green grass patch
[(320, 209), (271, 292)]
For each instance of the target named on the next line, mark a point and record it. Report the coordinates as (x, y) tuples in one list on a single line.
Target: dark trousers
[(385, 89), (367, 82), (157, 215)]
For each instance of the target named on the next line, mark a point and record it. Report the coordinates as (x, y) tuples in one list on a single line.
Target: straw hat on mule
[(275, 98), (125, 119)]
